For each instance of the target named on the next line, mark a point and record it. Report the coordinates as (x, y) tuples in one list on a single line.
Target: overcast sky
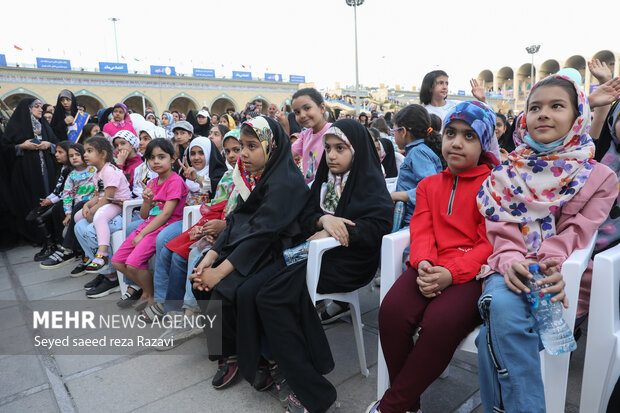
[(399, 40)]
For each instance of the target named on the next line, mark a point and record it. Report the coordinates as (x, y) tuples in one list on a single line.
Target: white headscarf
[(204, 144)]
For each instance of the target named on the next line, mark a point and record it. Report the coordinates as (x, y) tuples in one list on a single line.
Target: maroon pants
[(444, 322)]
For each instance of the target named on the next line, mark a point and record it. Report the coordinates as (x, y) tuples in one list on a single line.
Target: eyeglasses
[(393, 130)]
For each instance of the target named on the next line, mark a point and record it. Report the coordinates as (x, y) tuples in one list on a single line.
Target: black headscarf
[(389, 162), (103, 115), (199, 130), (25, 181), (293, 126), (261, 227), (364, 200), (58, 119)]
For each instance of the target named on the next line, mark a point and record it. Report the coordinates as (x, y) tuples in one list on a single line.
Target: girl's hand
[(66, 220), (210, 277), (337, 228), (188, 171), (478, 90), (553, 276), (147, 193), (513, 276), (599, 70), (399, 196), (69, 120), (45, 202), (122, 156), (206, 262), (137, 239), (29, 146), (605, 94), (214, 227), (318, 235), (89, 215), (196, 233)]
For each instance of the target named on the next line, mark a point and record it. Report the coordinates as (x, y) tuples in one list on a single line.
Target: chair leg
[(356, 318)]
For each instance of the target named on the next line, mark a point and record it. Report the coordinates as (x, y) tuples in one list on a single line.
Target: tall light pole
[(114, 20), (356, 4), (532, 50)]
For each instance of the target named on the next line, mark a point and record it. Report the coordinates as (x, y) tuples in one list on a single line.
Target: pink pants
[(101, 220), (138, 256)]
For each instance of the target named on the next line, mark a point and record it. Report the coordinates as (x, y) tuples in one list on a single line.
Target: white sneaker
[(176, 336)]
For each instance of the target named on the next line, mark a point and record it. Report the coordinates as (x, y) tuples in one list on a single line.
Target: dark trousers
[(70, 242), (207, 300), (444, 322)]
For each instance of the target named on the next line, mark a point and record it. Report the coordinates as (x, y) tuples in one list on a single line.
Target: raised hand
[(122, 156), (147, 193), (605, 94), (188, 171), (478, 90), (599, 70)]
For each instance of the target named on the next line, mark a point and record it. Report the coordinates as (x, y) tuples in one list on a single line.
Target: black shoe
[(282, 386), (294, 405), (129, 299), (58, 259), (262, 379), (80, 269), (334, 312), (47, 250), (94, 282), (226, 371), (104, 288)]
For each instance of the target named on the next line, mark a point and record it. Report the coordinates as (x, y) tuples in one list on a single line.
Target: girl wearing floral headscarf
[(439, 290), (546, 201), (120, 121)]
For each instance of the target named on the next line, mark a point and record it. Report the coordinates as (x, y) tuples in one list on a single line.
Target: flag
[(17, 47)]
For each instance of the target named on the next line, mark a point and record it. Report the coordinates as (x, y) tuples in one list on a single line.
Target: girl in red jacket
[(438, 293)]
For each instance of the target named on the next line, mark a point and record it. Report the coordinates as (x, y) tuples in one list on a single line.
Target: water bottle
[(556, 335), (399, 214), (296, 254)]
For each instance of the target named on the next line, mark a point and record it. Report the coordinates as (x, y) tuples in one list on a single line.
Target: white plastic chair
[(315, 253), (191, 215), (554, 368), (602, 362)]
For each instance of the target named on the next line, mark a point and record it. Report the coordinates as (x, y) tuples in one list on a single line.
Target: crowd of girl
[(481, 203)]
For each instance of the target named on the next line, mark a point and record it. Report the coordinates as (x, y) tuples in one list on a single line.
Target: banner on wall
[(242, 75), (163, 70), (113, 67), (296, 79), (59, 64), (2, 60), (273, 77), (210, 73), (461, 93)]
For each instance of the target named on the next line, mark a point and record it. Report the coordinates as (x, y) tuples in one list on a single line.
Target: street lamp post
[(356, 4), (532, 50), (114, 20)]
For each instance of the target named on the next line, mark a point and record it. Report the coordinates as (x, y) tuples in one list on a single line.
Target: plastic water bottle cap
[(534, 267)]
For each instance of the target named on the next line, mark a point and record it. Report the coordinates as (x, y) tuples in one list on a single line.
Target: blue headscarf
[(171, 124), (481, 119)]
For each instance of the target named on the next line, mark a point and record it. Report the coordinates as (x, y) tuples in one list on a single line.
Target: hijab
[(204, 144), (199, 130), (529, 187), (389, 160), (58, 118), (125, 115), (170, 125), (22, 125), (331, 190)]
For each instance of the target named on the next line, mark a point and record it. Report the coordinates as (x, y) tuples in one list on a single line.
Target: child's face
[(165, 121), (400, 135), (440, 87), (145, 138), (75, 158), (118, 114), (181, 136), (160, 161), (96, 129), (252, 153), (214, 119), (378, 148), (224, 121), (61, 155), (120, 144), (550, 114), (339, 156), (232, 148), (307, 112), (201, 120), (500, 128), (216, 136), (460, 146), (176, 117), (93, 157), (197, 158), (48, 116)]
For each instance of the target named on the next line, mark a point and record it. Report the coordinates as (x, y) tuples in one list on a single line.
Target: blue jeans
[(189, 301), (87, 237), (160, 276), (179, 286), (508, 351)]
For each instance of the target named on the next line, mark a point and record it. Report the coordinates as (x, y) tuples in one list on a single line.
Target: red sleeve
[(466, 267), (423, 244)]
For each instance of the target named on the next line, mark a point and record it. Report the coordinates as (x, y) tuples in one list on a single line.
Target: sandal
[(150, 313), (141, 305), (128, 299)]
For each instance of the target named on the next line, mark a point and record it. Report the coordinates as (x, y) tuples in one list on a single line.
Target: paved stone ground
[(179, 380)]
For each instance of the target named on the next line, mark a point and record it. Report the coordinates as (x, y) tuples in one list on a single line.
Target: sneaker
[(373, 408), (262, 379), (294, 405), (104, 288), (94, 282), (97, 264), (282, 386), (80, 269), (178, 335), (334, 312), (226, 371), (45, 252), (128, 299), (58, 259)]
